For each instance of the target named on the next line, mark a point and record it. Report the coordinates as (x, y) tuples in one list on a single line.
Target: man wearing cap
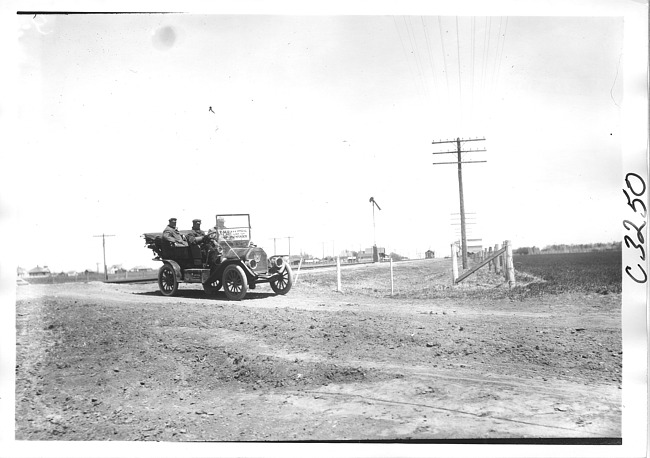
[(172, 235), (196, 236), (210, 250)]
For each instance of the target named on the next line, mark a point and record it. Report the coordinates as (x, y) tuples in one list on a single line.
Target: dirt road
[(121, 362)]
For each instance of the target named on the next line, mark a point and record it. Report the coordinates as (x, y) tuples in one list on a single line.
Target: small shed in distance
[(429, 254)]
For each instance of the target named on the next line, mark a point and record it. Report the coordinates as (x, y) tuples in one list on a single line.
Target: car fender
[(177, 268)]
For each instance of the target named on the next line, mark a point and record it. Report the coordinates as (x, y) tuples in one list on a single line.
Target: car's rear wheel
[(167, 281), (235, 284), (212, 288), (282, 284)]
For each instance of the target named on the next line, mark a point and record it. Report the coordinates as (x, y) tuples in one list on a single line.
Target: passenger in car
[(172, 235)]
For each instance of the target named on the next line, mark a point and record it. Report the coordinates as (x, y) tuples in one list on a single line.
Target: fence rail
[(146, 275), (500, 259)]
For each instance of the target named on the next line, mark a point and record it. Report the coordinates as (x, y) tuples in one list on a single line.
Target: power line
[(418, 64), (503, 45), (460, 92), (430, 53), (444, 55), (487, 54), (496, 56), (408, 61)]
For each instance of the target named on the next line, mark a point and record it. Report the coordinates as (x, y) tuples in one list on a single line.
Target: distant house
[(39, 272), (473, 249), (116, 269), (429, 254), (140, 269)]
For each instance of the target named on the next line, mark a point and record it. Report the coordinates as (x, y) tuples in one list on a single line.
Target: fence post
[(504, 260), (510, 266), (454, 265), (338, 274), (295, 280), (497, 260), (491, 263), (391, 276)]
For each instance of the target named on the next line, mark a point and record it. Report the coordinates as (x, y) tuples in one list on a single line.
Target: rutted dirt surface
[(121, 362)]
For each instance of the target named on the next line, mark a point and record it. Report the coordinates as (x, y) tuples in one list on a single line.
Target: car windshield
[(234, 229)]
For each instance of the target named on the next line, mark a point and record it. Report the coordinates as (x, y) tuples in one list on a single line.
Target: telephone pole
[(289, 238), (375, 255), (459, 162), (103, 236)]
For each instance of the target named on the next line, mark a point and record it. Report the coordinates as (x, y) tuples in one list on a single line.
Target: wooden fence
[(499, 261)]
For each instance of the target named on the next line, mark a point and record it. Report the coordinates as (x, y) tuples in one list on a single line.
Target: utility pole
[(375, 255), (459, 162), (103, 236), (289, 238)]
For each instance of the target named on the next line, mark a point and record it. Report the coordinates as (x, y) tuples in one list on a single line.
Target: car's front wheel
[(282, 284), (234, 282), (167, 281)]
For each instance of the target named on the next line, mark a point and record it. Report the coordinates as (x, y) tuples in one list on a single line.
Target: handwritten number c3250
[(638, 189)]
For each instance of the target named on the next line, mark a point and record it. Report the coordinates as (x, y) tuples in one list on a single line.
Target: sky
[(127, 120)]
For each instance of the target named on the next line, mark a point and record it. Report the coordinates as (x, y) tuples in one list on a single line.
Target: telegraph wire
[(444, 56), (460, 91), (418, 66), (472, 73), (503, 45), (485, 41), (496, 57), (430, 54), (487, 54), (408, 61)]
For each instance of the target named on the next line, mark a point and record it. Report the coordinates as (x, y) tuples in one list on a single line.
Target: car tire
[(212, 288), (283, 283), (167, 281), (235, 284)]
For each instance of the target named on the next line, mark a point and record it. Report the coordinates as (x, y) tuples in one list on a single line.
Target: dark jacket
[(172, 236)]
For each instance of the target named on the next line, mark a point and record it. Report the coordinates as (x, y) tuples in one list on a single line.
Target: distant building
[(473, 249), (429, 254), (140, 269), (366, 255), (21, 273), (116, 269), (39, 272)]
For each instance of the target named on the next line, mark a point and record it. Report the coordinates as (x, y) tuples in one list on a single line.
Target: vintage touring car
[(228, 260)]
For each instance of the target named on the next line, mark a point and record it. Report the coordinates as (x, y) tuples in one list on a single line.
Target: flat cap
[(172, 219), (196, 220)]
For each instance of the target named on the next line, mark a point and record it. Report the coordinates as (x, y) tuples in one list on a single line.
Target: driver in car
[(209, 246), (196, 236)]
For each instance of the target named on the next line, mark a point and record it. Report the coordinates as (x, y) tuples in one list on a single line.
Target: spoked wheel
[(212, 288), (235, 284), (167, 281), (282, 284)]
